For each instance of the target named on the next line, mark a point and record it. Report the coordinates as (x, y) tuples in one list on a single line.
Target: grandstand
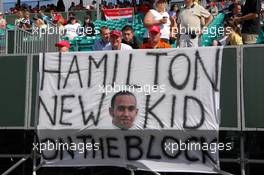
[(242, 111)]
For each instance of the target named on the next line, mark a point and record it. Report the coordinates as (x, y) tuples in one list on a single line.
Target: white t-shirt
[(71, 30), (123, 47), (164, 28)]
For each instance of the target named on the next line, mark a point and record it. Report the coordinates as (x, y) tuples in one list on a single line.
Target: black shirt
[(89, 29), (135, 44), (251, 26)]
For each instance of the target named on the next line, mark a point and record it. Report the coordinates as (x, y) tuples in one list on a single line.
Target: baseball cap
[(1, 13), (154, 29), (63, 43), (116, 33)]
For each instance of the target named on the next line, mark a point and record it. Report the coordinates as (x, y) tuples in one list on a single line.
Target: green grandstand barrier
[(34, 89), (13, 90), (260, 39), (228, 98), (253, 86), (10, 41)]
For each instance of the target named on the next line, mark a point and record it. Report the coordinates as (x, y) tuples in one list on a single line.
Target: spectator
[(231, 4), (39, 23), (214, 10), (173, 10), (71, 29), (44, 17), (63, 46), (189, 21), (155, 41), (251, 21), (92, 6), (232, 35), (262, 18), (71, 14), (88, 26), (60, 23), (144, 8), (19, 19), (54, 16), (60, 6), (105, 39), (116, 42), (2, 21), (129, 38), (79, 7), (159, 17), (27, 22), (235, 11), (71, 8)]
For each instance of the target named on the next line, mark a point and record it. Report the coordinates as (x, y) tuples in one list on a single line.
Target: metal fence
[(78, 14), (3, 41), (36, 40)]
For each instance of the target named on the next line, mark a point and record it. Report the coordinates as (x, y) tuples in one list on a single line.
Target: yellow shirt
[(235, 39)]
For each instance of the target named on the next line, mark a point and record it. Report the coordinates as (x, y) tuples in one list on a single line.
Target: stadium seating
[(84, 43), (208, 38), (260, 39)]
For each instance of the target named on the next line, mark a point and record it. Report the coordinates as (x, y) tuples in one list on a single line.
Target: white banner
[(142, 109)]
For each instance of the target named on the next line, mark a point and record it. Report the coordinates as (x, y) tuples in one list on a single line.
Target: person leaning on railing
[(27, 22), (19, 19), (39, 23), (44, 17)]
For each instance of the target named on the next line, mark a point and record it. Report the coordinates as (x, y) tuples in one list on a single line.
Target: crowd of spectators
[(166, 26)]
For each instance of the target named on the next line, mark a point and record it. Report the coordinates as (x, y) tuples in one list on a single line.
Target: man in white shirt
[(189, 22), (71, 29), (123, 110), (116, 42)]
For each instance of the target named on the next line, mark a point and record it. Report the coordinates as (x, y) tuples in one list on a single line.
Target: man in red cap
[(154, 41), (116, 42), (63, 46)]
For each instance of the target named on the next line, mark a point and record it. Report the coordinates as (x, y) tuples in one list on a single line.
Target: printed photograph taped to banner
[(123, 110), (127, 96)]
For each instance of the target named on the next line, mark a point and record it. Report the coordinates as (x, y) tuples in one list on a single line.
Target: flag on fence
[(116, 14)]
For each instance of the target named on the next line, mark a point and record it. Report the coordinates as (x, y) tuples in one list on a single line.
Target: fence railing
[(3, 41), (36, 40), (78, 14)]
